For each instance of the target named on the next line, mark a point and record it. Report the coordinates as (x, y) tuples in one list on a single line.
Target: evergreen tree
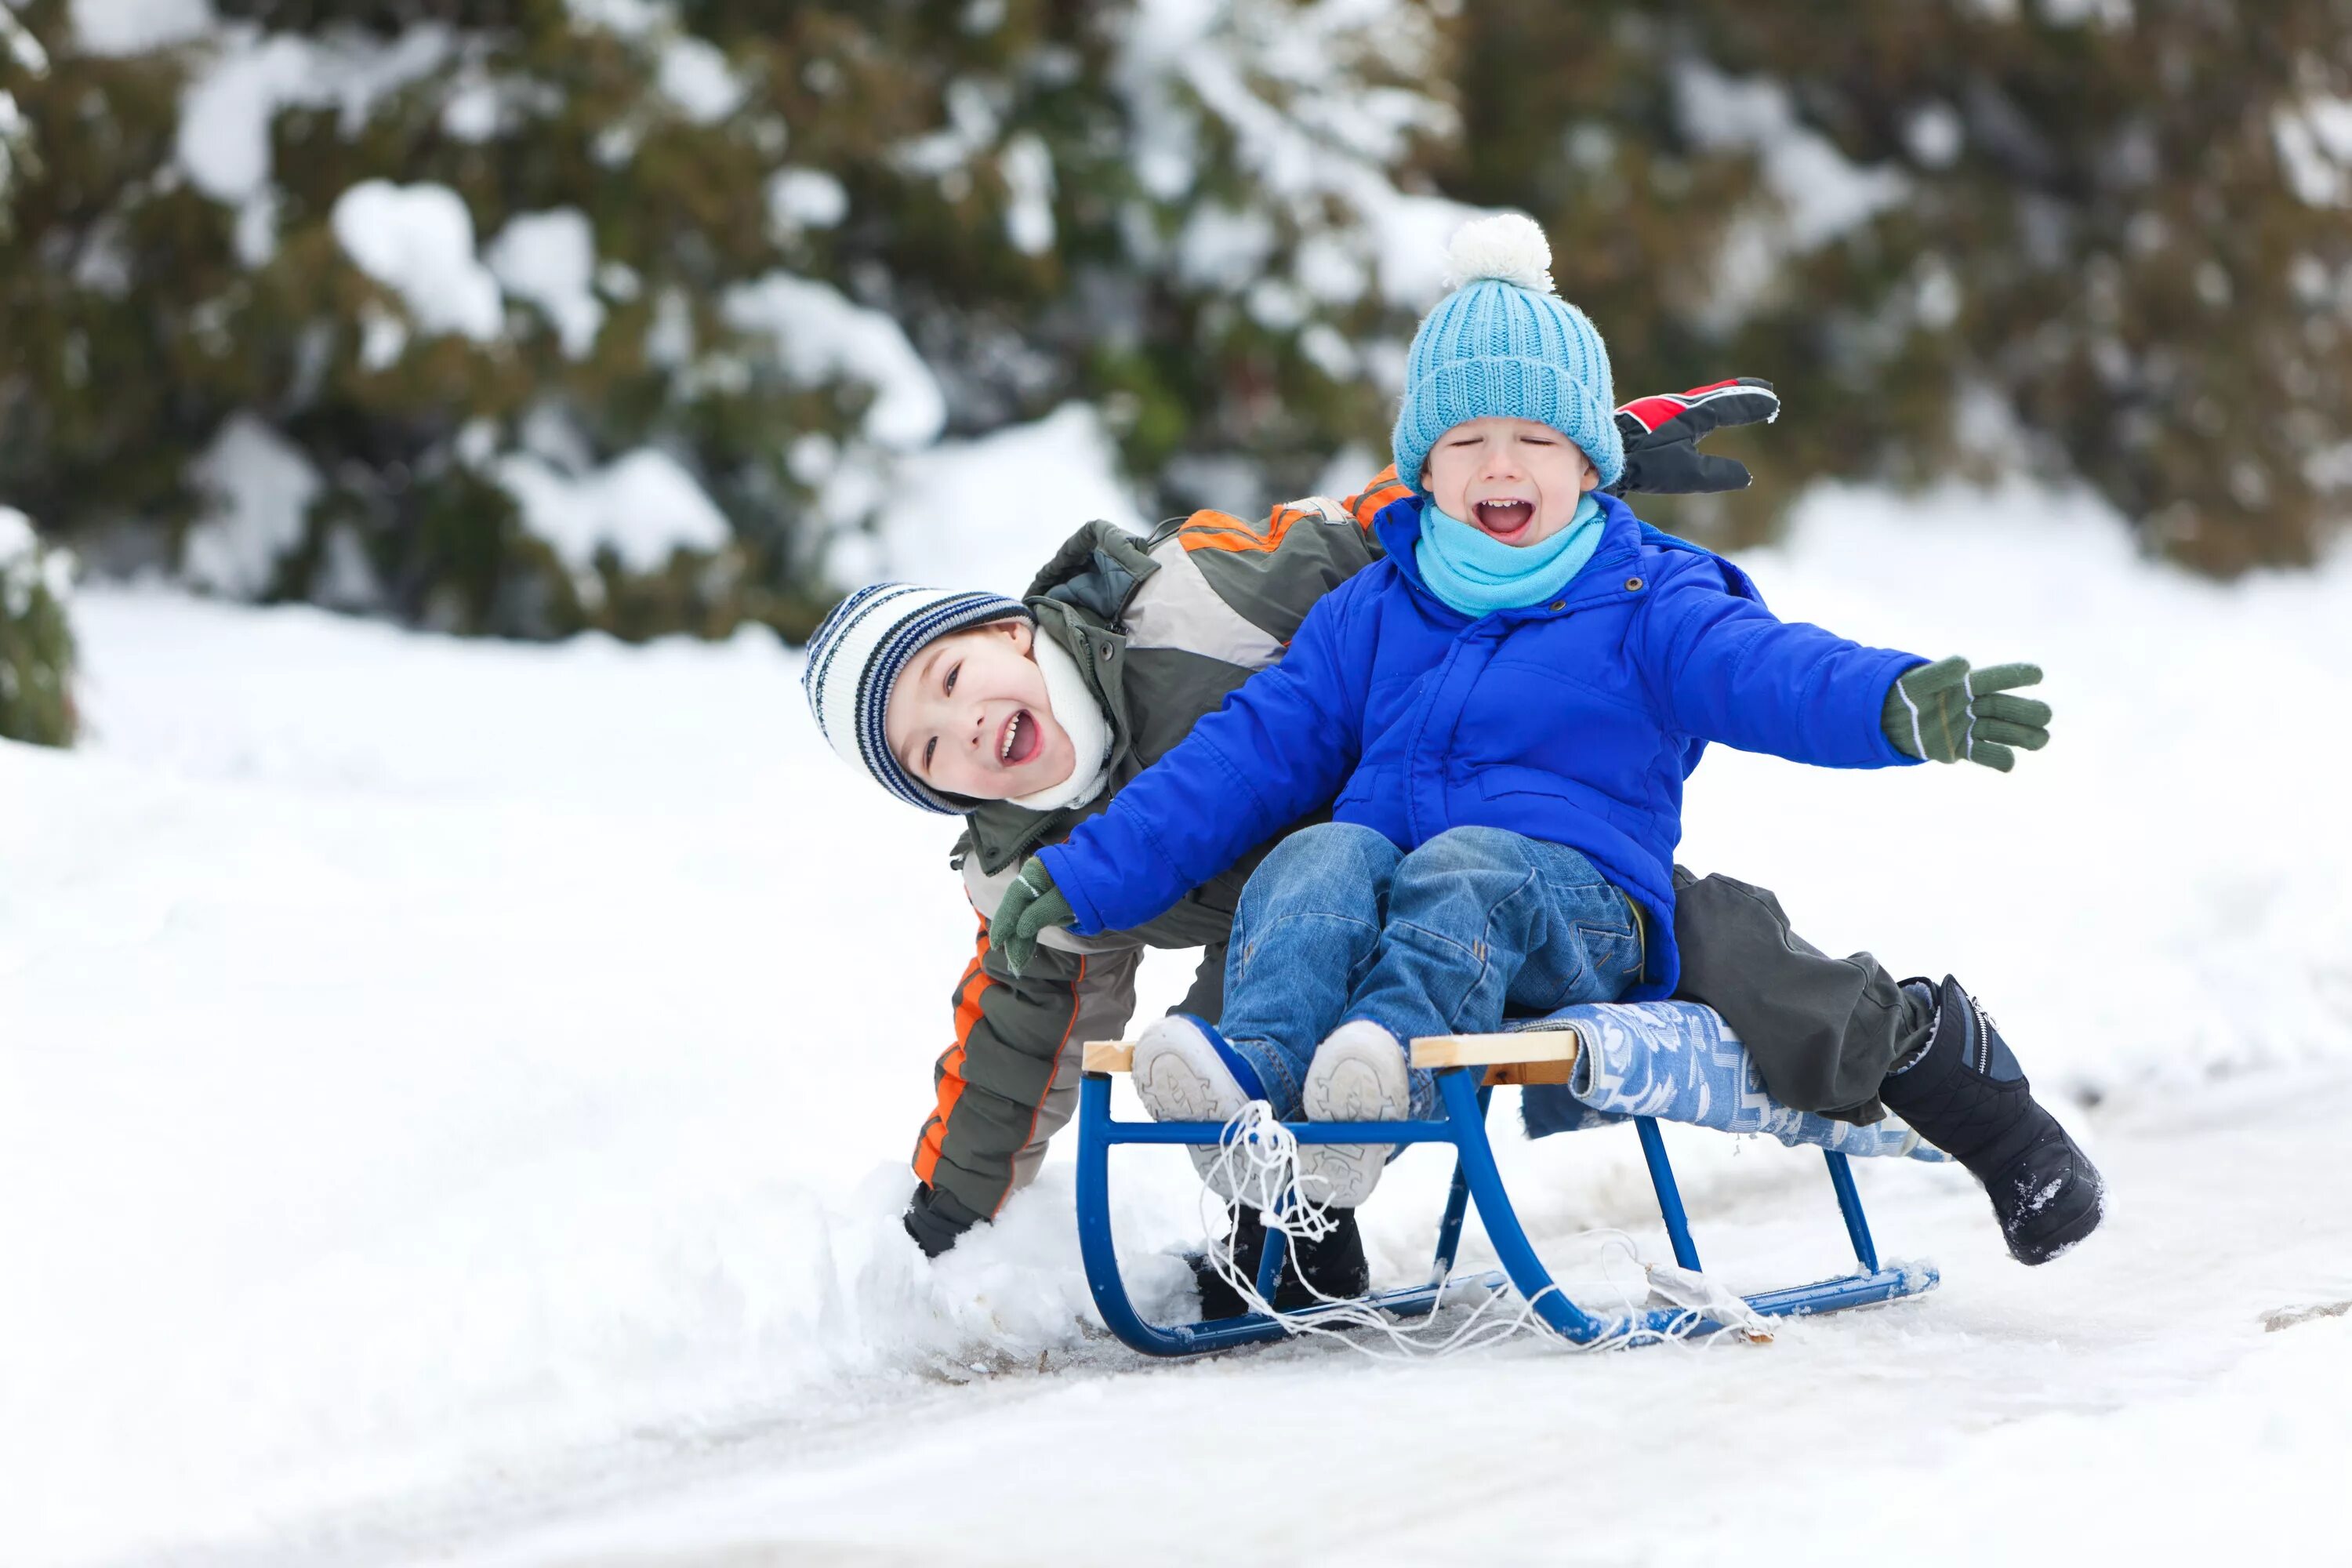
[(36, 649), (711, 235), (2104, 239), (543, 314)]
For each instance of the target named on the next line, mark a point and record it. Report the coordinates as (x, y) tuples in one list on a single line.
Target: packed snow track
[(454, 1099)]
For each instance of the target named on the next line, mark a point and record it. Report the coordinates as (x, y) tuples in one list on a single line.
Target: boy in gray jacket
[(1027, 715)]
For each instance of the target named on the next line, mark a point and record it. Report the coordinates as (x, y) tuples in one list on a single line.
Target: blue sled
[(1465, 1097)]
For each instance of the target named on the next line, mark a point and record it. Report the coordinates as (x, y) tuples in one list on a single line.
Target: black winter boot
[(1964, 1093), (1334, 1266)]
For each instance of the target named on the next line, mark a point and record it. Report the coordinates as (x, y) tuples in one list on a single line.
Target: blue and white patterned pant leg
[(1678, 1061)]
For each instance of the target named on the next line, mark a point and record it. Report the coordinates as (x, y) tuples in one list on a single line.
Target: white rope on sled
[(1257, 1157)]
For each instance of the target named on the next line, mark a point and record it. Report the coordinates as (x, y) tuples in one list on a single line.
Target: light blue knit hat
[(1503, 345)]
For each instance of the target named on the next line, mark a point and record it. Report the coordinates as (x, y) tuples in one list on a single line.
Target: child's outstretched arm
[(1724, 669), (1007, 1082), (1276, 749)]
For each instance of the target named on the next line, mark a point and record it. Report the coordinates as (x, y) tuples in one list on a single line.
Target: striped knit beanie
[(1503, 345), (862, 647)]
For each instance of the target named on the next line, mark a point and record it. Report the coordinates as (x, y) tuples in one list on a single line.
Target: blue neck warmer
[(1477, 573)]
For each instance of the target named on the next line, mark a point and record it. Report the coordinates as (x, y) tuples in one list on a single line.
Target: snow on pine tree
[(36, 649), (522, 318), (1281, 233), (21, 57), (438, 315), (2095, 239), (37, 646), (610, 313)]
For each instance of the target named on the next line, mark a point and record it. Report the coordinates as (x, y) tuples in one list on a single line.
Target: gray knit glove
[(1028, 907), (1943, 711)]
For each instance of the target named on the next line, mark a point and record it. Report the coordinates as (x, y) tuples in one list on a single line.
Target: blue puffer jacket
[(1575, 720)]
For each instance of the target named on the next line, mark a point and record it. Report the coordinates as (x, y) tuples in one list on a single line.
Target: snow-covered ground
[(454, 1100)]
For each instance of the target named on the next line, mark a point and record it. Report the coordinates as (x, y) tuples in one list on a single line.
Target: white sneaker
[(1180, 1076), (1359, 1074)]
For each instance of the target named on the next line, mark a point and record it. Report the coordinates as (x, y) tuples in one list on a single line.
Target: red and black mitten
[(1663, 431)]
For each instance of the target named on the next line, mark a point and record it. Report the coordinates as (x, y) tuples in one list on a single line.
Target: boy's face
[(1515, 479), (968, 716)]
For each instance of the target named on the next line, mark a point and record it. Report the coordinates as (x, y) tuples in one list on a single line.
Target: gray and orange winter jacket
[(1165, 627)]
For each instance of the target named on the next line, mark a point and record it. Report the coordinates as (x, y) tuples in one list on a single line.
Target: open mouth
[(1505, 519), (1017, 742)]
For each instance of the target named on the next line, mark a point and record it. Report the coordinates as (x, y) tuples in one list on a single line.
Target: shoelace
[(1257, 1155)]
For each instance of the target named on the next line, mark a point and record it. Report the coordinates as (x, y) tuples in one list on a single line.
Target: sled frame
[(1468, 1068)]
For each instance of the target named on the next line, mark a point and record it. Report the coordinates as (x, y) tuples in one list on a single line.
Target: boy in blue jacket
[(1505, 708)]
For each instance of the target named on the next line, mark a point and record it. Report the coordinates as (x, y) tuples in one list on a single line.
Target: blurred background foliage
[(712, 271), (36, 649), (2098, 238)]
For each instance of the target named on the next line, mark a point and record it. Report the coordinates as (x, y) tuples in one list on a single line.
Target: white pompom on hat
[(1508, 248)]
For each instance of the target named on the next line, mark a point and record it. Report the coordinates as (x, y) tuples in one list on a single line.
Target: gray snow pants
[(1822, 1031)]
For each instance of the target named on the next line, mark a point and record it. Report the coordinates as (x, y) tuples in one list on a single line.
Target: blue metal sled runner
[(1468, 1068)]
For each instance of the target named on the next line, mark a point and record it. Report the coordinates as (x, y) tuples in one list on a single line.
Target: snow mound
[(819, 334), (419, 241), (1821, 192), (805, 198), (438, 1069), (694, 75), (115, 27), (550, 260), (973, 514), (26, 566), (258, 488), (644, 506), (226, 110)]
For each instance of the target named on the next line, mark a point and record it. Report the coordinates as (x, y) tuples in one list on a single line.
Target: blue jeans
[(1338, 923)]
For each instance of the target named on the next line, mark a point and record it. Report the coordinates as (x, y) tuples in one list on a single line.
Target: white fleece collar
[(1081, 717)]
